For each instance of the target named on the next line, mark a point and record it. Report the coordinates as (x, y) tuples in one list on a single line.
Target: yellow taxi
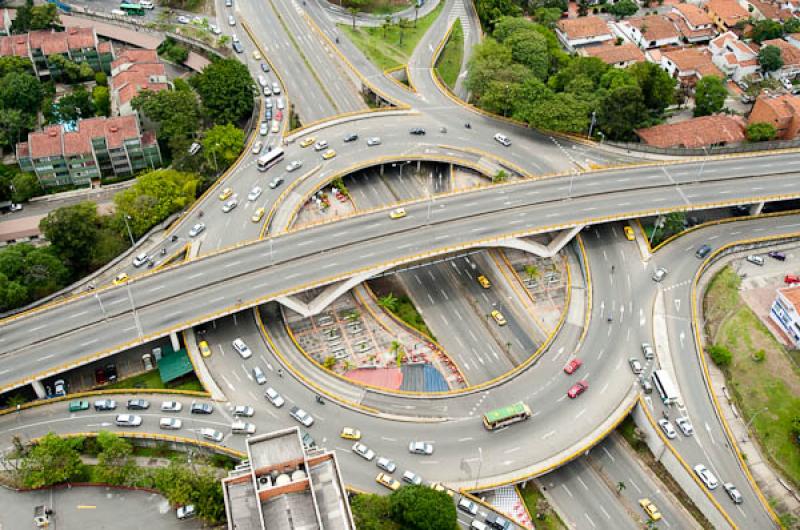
[(437, 486), (256, 55), (121, 278), (629, 235), (349, 433), (307, 141), (327, 155), (205, 351), (650, 509), (257, 215), (385, 480), (397, 213), (224, 194), (499, 318), (484, 281)]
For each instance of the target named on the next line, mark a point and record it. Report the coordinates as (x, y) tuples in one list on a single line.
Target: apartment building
[(77, 44), (132, 71)]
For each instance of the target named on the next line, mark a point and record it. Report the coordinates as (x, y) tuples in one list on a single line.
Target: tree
[(792, 25), (13, 64), (622, 111), (155, 196), (21, 91), (30, 17), (226, 89), (173, 51), (14, 125), (101, 79), (74, 106), (760, 132), (530, 49), (623, 8), (101, 101), (658, 87), (532, 271), (674, 222), (176, 112), (765, 30), (12, 293), (372, 512), (72, 232), (547, 16), (489, 11), (222, 145), (51, 461), (63, 68), (562, 112), (709, 97), (721, 355), (421, 507), (500, 176), (26, 186), (114, 462), (329, 362), (769, 57), (388, 302)]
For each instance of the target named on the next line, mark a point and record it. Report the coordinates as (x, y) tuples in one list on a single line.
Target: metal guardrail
[(713, 150)]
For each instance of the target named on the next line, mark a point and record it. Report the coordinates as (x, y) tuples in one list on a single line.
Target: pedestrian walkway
[(506, 500)]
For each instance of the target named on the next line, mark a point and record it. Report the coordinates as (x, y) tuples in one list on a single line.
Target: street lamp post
[(133, 308), (127, 218), (480, 465), (747, 425), (103, 309), (702, 165)]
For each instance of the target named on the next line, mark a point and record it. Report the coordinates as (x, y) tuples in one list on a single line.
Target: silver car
[(170, 424), (636, 366), (258, 375), (668, 429), (293, 165), (302, 416), (128, 420), (245, 411), (420, 448), (230, 205), (272, 395), (197, 229), (659, 274), (706, 476)]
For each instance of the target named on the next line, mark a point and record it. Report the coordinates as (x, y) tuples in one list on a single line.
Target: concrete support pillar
[(419, 165), (381, 171), (755, 209), (38, 387), (176, 344)]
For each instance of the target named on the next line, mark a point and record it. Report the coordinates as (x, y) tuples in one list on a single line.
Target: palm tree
[(620, 486), (416, 13), (388, 302), (387, 22), (353, 314), (532, 271), (353, 12)]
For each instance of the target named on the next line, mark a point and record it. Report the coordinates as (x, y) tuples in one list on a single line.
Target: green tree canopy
[(153, 198), (529, 48), (14, 125), (51, 461), (26, 186), (563, 112), (770, 59), (765, 30), (30, 273), (423, 508), (709, 96), (490, 11), (72, 232), (623, 8), (489, 61), (13, 64), (372, 512), (114, 462), (622, 111), (30, 17), (658, 87), (591, 67), (21, 91), (176, 112), (74, 106), (222, 145), (760, 132), (226, 89), (101, 100)]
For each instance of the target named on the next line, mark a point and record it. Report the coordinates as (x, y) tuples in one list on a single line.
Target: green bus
[(494, 419), (132, 9)]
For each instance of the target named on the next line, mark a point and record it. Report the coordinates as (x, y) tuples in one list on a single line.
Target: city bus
[(494, 419), (270, 159), (665, 387), (132, 9)]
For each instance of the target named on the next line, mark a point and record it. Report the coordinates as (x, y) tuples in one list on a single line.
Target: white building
[(785, 312), (582, 31), (735, 58)]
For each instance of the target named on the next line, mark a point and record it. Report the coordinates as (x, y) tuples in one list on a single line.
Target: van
[(147, 4)]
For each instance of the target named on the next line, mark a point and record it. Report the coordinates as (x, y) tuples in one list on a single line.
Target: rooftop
[(783, 106), (654, 27), (697, 60), (583, 27), (696, 132), (611, 54), (54, 141), (792, 294), (789, 54), (729, 11), (693, 14)]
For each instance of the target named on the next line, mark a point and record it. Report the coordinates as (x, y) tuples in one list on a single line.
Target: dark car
[(264, 67), (498, 522), (138, 404), (237, 47), (703, 251), (111, 372), (352, 137), (419, 131), (201, 408), (100, 376), (780, 256)]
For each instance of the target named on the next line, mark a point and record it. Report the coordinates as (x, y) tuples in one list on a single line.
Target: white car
[(262, 80), (301, 416), (648, 351), (276, 88), (230, 205), (267, 101), (242, 427), (197, 229), (386, 464), (466, 505), (185, 512), (170, 424), (264, 128), (412, 478), (733, 493), (280, 104), (274, 183), (183, 20), (257, 147), (258, 375), (211, 434), (245, 411), (668, 429), (756, 260), (503, 139), (215, 29), (636, 366), (706, 476), (320, 145), (375, 140), (128, 420), (147, 4), (254, 194), (420, 448), (659, 274), (272, 395), (363, 451), (140, 260), (293, 165), (171, 406), (685, 425), (241, 348), (231, 20)]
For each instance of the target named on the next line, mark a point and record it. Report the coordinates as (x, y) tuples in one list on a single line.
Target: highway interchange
[(228, 278)]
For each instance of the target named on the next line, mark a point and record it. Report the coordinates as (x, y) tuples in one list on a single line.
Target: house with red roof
[(694, 24), (651, 31), (734, 57), (132, 71), (689, 65), (582, 31), (94, 148), (782, 111), (705, 131)]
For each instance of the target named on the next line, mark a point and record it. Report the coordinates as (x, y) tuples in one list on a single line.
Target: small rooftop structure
[(697, 132)]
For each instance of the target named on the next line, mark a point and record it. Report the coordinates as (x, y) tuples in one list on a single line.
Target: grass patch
[(544, 517), (449, 64), (390, 46), (152, 379), (772, 383), (380, 7), (407, 312)]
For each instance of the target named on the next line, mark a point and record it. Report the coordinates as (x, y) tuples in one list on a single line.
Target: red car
[(573, 365), (791, 278), (577, 389), (278, 116)]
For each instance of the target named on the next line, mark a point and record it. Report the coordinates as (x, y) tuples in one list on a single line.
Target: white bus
[(665, 386), (270, 159)]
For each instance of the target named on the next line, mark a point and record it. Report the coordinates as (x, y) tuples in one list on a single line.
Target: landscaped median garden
[(54, 460), (761, 376), (449, 64)]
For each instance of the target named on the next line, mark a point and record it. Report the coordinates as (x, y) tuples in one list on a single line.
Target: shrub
[(720, 355)]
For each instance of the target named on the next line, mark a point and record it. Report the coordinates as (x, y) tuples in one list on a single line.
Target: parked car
[(668, 429), (185, 512)]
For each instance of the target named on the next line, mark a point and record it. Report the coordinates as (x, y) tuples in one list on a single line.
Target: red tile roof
[(45, 143), (611, 54), (729, 11), (22, 150), (656, 27), (53, 141), (789, 54), (134, 55), (694, 60), (138, 76), (792, 295), (696, 132), (16, 45), (583, 27), (696, 16), (687, 31), (79, 37), (49, 42)]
